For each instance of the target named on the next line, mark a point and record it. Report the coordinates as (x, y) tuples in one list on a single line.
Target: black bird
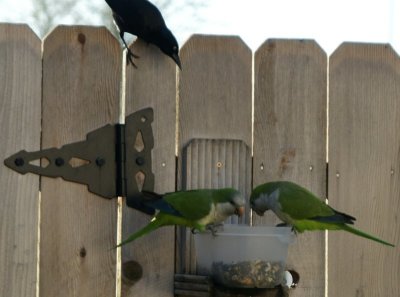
[(143, 19)]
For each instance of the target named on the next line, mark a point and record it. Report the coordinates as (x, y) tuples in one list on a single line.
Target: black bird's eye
[(175, 48)]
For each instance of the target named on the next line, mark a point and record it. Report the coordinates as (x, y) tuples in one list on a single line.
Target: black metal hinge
[(114, 160)]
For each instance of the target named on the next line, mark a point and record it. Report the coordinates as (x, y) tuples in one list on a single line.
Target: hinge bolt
[(19, 162), (100, 161), (59, 162), (140, 161)]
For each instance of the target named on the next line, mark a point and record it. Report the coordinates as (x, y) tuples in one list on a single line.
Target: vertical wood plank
[(215, 98), (152, 84), (364, 167), (290, 139), (81, 84), (20, 98), (215, 89)]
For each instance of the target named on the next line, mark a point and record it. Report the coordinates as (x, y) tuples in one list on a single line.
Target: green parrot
[(298, 207), (196, 209)]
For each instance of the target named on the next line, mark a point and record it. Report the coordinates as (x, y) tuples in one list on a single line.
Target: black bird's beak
[(177, 60)]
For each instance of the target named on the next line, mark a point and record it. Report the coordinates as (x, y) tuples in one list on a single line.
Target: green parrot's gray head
[(259, 204), (264, 198)]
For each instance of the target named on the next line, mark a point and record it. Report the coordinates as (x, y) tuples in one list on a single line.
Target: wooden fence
[(57, 243)]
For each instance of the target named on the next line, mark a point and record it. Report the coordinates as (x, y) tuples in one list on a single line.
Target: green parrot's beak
[(239, 211)]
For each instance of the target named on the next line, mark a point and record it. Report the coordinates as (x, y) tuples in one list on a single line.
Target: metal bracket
[(114, 160)]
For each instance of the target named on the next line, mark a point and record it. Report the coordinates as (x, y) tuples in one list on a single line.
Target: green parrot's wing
[(192, 205), (301, 204)]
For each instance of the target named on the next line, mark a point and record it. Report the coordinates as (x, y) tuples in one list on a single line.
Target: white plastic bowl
[(243, 256)]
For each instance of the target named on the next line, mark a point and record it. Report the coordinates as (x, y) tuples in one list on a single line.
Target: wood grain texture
[(364, 168), (215, 98), (81, 84), (20, 98), (290, 139), (215, 89), (153, 84)]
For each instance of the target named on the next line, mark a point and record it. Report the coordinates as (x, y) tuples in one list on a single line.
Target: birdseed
[(248, 274)]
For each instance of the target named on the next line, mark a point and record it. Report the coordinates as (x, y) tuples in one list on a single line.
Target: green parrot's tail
[(155, 223), (362, 234)]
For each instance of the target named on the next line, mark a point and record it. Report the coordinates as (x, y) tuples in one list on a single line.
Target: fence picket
[(20, 98), (81, 84), (214, 103), (153, 84), (290, 138), (364, 166)]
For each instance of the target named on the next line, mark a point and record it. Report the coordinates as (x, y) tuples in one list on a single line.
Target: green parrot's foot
[(287, 225), (194, 231), (197, 228), (213, 228), (282, 225)]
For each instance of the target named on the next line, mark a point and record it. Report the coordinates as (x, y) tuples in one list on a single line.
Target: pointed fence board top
[(215, 80)]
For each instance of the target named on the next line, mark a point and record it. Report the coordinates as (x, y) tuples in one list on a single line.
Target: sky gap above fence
[(267, 40)]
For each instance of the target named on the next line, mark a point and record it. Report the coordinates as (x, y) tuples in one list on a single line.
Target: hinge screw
[(19, 162), (59, 162), (100, 161), (140, 161)]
